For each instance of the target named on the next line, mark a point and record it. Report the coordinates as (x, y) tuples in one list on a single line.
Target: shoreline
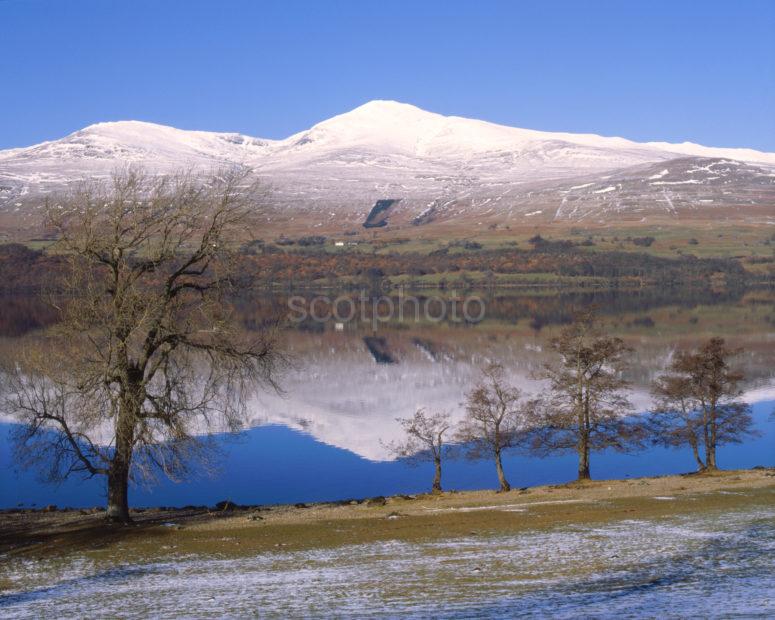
[(238, 531)]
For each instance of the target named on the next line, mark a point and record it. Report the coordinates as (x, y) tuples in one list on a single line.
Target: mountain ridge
[(384, 149), (381, 109)]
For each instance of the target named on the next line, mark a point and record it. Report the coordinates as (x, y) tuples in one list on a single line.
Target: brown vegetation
[(285, 267)]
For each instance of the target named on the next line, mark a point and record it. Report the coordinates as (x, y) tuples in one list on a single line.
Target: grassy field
[(702, 239), (243, 531)]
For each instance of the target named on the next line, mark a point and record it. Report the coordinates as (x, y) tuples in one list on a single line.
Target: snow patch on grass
[(714, 564)]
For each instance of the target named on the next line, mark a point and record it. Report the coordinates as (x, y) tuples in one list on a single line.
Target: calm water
[(324, 438), (275, 464)]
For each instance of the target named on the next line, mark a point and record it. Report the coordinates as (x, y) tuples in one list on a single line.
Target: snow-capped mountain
[(434, 167), (396, 128)]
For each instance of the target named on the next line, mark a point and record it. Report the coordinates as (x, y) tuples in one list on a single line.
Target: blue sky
[(646, 70)]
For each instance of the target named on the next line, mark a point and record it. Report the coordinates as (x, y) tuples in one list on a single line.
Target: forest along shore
[(233, 531)]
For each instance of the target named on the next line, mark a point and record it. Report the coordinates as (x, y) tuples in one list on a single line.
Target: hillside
[(434, 168)]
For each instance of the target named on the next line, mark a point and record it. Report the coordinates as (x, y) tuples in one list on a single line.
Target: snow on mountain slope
[(397, 128), (686, 187), (156, 146), (392, 127), (382, 149)]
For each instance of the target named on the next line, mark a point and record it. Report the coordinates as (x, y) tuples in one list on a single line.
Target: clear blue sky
[(647, 70)]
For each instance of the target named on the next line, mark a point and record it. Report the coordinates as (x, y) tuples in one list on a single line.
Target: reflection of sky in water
[(274, 464)]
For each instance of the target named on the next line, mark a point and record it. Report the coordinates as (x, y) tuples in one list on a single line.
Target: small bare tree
[(497, 419), (424, 441), (148, 354), (675, 421), (697, 403), (584, 411)]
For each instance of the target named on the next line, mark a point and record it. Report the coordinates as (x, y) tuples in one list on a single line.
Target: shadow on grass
[(57, 533)]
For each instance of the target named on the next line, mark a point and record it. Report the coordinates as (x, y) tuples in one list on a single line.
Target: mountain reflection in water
[(349, 383)]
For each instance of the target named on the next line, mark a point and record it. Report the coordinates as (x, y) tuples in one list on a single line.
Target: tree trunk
[(118, 474), (696, 452), (710, 448), (437, 475), (118, 493), (504, 484), (583, 449), (583, 444), (710, 457)]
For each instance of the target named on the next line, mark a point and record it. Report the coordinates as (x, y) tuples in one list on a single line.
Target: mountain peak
[(122, 124), (382, 111), (378, 124), (388, 109), (387, 105)]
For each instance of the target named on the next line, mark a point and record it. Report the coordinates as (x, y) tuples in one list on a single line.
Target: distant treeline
[(296, 268), (22, 268), (24, 312)]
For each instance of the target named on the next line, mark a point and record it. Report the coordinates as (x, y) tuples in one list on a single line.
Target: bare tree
[(697, 403), (675, 420), (584, 411), (148, 353), (424, 441), (496, 420)]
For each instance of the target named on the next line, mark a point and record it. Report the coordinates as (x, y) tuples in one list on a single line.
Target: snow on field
[(708, 565)]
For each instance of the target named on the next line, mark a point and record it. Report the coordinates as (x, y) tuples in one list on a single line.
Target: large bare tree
[(497, 418), (698, 403), (424, 440), (148, 354), (585, 408)]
